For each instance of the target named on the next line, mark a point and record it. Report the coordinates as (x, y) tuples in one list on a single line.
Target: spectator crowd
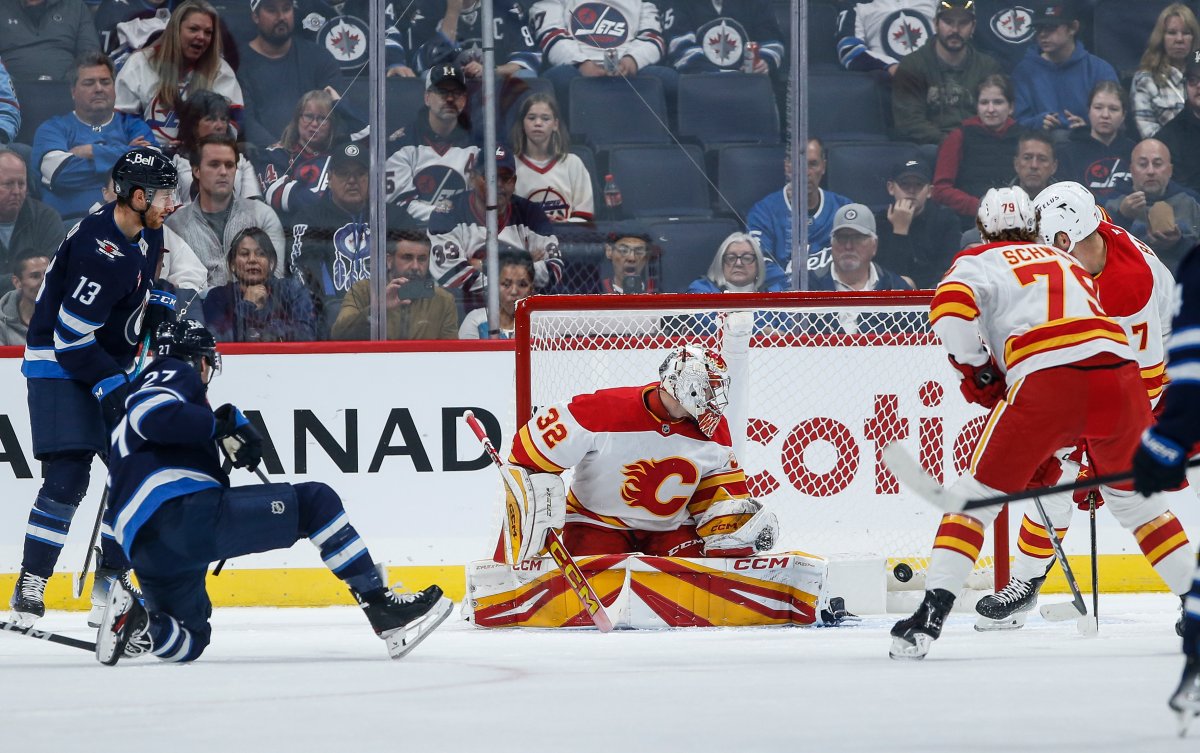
[(642, 145)]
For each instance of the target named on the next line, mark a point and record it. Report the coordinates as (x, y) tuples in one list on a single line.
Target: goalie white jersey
[(1138, 290), (633, 470), (1035, 306)]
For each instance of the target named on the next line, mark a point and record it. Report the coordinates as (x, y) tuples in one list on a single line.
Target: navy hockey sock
[(346, 554), (172, 642), (45, 535)]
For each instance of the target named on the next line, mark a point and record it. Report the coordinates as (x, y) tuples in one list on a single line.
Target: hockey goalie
[(658, 514)]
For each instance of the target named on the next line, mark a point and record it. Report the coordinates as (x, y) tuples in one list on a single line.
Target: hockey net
[(820, 382)]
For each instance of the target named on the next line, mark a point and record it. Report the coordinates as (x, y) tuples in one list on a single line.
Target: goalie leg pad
[(534, 503)]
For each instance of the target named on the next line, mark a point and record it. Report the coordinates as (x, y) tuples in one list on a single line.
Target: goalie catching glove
[(983, 385), (534, 503), (737, 528)]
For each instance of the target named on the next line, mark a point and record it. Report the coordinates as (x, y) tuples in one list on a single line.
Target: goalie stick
[(566, 563), (42, 635), (914, 476)]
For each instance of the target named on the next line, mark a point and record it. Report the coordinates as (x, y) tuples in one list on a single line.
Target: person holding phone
[(255, 305), (417, 308)]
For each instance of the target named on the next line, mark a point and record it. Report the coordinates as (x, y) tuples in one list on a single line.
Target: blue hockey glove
[(239, 439), (111, 393), (1159, 463), (160, 308)]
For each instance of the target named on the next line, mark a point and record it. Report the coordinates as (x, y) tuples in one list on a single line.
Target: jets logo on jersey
[(351, 253), (1105, 173), (904, 32), (599, 25), (108, 249), (552, 203), (1013, 25), (723, 41), (437, 184), (162, 121), (645, 481), (345, 37)]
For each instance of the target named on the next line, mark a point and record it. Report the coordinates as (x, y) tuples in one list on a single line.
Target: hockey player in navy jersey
[(95, 302), (1161, 460), (176, 513)]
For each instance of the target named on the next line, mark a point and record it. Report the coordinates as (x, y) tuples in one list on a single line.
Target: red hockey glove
[(983, 385), (1080, 496)]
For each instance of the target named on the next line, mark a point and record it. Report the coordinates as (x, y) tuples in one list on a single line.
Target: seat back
[(845, 106), (606, 111), (687, 247), (40, 101), (727, 107), (660, 181), (860, 170), (745, 174)]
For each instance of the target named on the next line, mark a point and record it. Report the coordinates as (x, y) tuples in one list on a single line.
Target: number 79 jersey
[(1035, 306), (632, 469)]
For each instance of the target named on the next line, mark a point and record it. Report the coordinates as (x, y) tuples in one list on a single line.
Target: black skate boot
[(1008, 608), (125, 627), (912, 637), (28, 601), (404, 620), (100, 588), (1185, 701)]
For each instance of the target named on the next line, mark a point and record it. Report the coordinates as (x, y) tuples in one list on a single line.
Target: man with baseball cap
[(1054, 79), (917, 238), (430, 166), (1182, 133), (934, 88)]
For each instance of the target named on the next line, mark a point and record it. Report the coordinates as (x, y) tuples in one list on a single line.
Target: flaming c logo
[(645, 478)]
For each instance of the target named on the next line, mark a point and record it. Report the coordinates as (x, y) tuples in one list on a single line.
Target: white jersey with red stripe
[(633, 470), (1138, 290), (1034, 306)]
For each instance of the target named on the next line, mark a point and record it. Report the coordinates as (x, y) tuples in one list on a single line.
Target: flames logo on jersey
[(108, 249), (646, 478), (599, 25)]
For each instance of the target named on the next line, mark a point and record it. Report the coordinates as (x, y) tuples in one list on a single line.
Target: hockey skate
[(1186, 699), (28, 601), (912, 637), (125, 627), (404, 620), (101, 584), (1007, 608), (1182, 615)]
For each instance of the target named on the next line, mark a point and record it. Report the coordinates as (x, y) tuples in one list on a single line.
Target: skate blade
[(1012, 622), (1087, 626), (1184, 720), (902, 650), (1060, 612), (22, 620), (402, 640)]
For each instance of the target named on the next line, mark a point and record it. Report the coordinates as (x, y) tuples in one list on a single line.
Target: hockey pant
[(173, 550), (582, 539)]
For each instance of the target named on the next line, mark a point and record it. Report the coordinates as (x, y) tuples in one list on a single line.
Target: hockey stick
[(566, 563), (914, 476), (80, 577), (261, 477), (1075, 609), (1095, 566), (42, 635)]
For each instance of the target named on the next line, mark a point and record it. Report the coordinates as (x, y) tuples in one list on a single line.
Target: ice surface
[(294, 680)]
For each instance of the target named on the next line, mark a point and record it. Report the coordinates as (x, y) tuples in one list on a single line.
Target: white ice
[(317, 680)]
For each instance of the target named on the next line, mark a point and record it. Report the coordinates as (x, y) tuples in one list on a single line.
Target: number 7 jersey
[(1035, 307), (633, 470)]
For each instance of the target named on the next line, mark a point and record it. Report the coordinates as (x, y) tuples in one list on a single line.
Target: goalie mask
[(1069, 208), (698, 378)]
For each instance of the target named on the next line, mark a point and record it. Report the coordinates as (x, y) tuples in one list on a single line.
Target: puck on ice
[(903, 572)]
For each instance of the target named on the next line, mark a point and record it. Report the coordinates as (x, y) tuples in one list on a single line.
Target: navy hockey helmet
[(146, 168), (188, 340)]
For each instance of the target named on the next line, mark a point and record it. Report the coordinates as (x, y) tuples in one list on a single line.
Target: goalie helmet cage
[(819, 383)]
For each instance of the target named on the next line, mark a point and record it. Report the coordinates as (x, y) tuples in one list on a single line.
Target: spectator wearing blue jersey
[(1056, 75), (740, 267), (770, 220), (10, 110), (75, 153)]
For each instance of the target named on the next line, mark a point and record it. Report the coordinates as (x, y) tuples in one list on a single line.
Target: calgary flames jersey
[(633, 470), (1138, 290), (1035, 306)]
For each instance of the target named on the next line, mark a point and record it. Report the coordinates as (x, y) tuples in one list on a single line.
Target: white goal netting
[(820, 382)]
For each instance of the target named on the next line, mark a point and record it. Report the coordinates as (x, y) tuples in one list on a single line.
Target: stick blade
[(1061, 611), (912, 475), (1087, 625)]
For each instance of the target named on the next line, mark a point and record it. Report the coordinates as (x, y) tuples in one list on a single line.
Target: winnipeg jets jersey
[(713, 34), (1138, 291), (137, 94), (163, 447), (876, 34), (86, 323), (427, 171), (573, 31), (1035, 306), (514, 42), (561, 188), (459, 234), (631, 468)]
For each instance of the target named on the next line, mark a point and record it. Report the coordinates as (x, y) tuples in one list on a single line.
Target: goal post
[(820, 382)]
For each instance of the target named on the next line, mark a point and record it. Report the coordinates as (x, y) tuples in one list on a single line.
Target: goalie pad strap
[(533, 504)]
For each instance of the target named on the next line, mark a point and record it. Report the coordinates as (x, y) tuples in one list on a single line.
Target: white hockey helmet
[(699, 379), (1007, 208), (1067, 207)]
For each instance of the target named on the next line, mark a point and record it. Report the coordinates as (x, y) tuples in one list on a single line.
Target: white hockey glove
[(747, 528), (533, 504)]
